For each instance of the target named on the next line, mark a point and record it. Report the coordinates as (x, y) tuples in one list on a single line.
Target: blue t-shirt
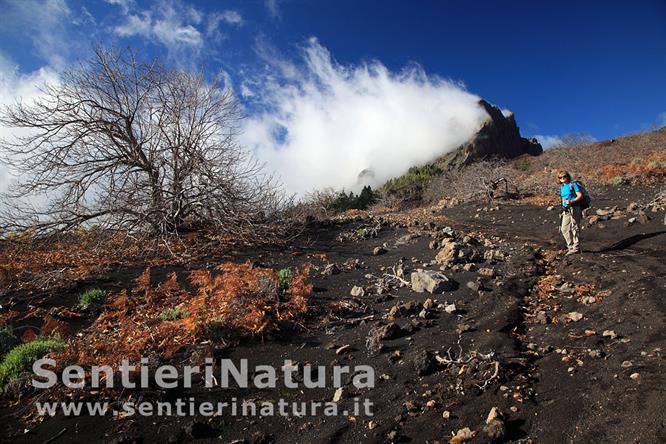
[(567, 193)]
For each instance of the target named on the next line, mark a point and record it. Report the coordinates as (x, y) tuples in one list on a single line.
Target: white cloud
[(45, 22), (325, 125), (213, 21), (13, 87), (548, 141), (124, 4), (85, 17), (273, 9), (170, 23), (273, 59), (231, 17), (135, 25), (661, 119)]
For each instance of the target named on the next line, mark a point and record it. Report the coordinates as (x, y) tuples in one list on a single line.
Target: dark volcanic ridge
[(499, 137)]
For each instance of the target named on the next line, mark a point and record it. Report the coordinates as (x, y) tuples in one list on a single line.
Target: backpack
[(585, 201)]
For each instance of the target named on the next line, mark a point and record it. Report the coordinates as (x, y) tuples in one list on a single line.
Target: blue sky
[(595, 67)]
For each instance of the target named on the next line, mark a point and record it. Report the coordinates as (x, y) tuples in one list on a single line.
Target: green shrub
[(7, 340), (284, 278), (171, 314), (344, 201), (21, 357), (413, 175), (92, 299), (636, 161), (620, 180)]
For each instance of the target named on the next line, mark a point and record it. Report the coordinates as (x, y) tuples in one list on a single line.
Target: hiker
[(572, 212)]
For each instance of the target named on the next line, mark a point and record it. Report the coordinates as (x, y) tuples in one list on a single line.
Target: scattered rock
[(495, 429), (462, 328), (463, 435), (331, 269), (635, 376), (357, 291), (431, 404), (428, 304), (488, 272), (493, 414), (494, 255), (542, 317), (406, 309), (425, 363), (643, 218), (430, 281), (448, 232), (574, 316), (337, 396), (626, 364), (378, 251), (448, 253), (609, 334), (474, 286), (406, 239), (451, 308), (388, 331)]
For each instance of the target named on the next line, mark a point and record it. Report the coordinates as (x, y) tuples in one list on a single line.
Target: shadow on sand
[(628, 242)]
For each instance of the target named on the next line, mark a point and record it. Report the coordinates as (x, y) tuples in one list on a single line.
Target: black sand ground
[(554, 383)]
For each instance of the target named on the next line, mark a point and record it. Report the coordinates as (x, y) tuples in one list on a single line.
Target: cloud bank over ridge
[(320, 123)]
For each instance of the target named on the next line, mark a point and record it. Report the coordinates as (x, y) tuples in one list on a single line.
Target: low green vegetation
[(344, 201), (412, 176), (284, 278), (20, 358), (92, 300), (620, 180), (172, 314)]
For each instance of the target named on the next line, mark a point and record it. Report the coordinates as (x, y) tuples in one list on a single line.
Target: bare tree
[(132, 146)]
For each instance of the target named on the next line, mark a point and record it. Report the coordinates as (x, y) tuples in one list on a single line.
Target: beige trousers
[(570, 227)]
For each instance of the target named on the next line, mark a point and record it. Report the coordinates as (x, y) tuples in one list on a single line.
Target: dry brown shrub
[(235, 300), (482, 180), (52, 262), (641, 158)]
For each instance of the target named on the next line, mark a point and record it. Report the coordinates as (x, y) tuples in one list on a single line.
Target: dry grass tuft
[(235, 300)]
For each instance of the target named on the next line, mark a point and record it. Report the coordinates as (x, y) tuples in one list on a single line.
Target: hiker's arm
[(579, 196)]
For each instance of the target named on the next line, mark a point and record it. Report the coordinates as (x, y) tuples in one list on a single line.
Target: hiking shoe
[(570, 252)]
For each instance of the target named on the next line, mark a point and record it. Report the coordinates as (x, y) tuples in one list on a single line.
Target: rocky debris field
[(477, 328)]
